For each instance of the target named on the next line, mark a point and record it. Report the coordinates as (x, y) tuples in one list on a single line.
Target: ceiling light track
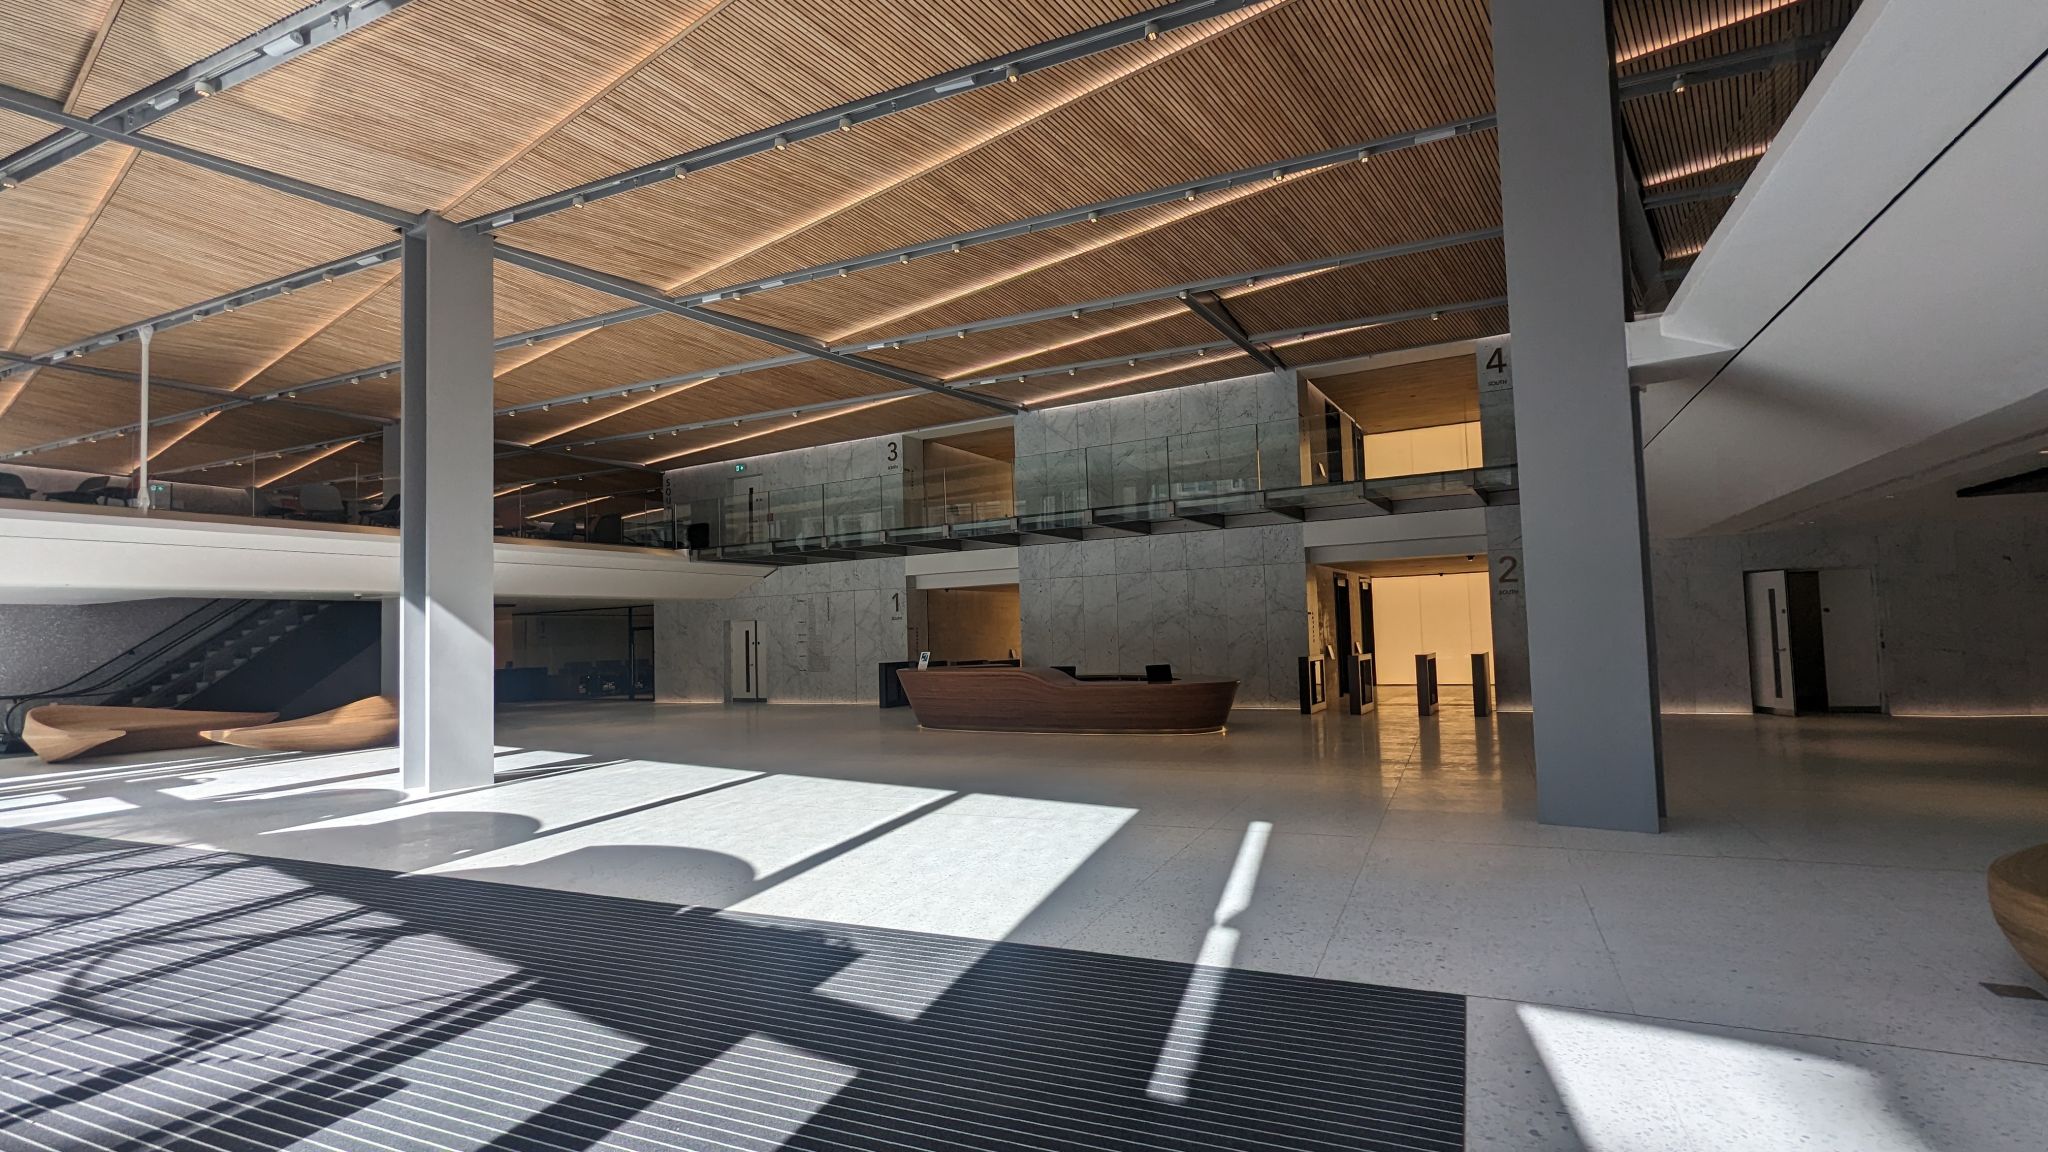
[(1628, 88), (247, 58), (845, 117), (1282, 336), (651, 297), (43, 108)]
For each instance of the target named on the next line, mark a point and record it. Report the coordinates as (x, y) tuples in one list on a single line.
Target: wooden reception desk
[(1046, 700)]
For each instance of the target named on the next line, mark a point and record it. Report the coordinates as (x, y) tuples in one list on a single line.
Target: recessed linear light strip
[(980, 326), (1246, 279), (1285, 335), (284, 285), (270, 43), (1628, 88), (1071, 311), (1135, 28), (238, 63), (1288, 335)]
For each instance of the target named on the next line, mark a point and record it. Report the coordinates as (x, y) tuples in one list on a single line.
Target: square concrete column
[(445, 626), (387, 639), (1592, 666)]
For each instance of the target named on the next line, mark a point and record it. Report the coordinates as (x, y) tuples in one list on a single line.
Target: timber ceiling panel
[(750, 64), (989, 443), (148, 40), (44, 42), (1439, 189), (41, 222), (17, 131), (735, 208), (173, 234), (1424, 394), (396, 111), (1311, 74)]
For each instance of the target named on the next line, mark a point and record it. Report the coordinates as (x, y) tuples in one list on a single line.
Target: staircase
[(175, 682), (238, 655)]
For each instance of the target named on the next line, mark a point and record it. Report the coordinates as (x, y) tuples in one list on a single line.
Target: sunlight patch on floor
[(1638, 1087)]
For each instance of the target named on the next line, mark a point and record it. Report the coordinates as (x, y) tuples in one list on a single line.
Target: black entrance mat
[(168, 998)]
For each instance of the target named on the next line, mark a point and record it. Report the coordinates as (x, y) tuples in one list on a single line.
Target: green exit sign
[(739, 467)]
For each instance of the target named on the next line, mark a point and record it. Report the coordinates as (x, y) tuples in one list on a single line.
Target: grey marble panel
[(1028, 434), (1095, 424), (1199, 405), (1130, 554), (1152, 624), (1166, 552), (1034, 609), (1097, 624), (1208, 549), (1098, 557), (1061, 430)]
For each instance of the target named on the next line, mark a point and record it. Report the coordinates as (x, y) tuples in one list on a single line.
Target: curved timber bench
[(59, 732), (1044, 700), (2019, 902), (371, 722)]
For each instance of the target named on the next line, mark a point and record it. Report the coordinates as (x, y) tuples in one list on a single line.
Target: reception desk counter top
[(1047, 700)]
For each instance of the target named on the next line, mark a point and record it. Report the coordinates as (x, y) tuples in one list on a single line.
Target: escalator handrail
[(181, 631)]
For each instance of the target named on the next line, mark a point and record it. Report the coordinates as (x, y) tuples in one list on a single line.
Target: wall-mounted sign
[(892, 457), (1496, 365), (740, 466)]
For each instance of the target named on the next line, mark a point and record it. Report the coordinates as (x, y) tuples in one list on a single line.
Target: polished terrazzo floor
[(1798, 961)]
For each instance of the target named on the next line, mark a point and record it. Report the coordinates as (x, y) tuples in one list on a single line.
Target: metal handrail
[(110, 679)]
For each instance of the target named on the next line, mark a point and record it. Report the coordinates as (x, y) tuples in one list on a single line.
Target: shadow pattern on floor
[(169, 998)]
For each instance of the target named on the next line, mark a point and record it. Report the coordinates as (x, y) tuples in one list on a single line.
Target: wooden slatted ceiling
[(1435, 190), (174, 233), (416, 108), (1312, 74), (1698, 29), (40, 223), (735, 208), (1177, 101), (17, 131), (43, 43), (148, 40), (1366, 206), (1424, 394)]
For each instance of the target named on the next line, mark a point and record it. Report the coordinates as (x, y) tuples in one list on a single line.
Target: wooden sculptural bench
[(368, 723), (60, 732)]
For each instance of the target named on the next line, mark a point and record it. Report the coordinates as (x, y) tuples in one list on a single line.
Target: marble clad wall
[(1232, 602), (1216, 603), (824, 628), (1221, 425), (1960, 601)]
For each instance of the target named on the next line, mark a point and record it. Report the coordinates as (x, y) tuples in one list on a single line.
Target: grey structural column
[(387, 641), (444, 537), (1592, 664)]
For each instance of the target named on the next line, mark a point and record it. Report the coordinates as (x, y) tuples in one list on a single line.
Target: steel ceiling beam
[(1134, 28), (244, 60), (43, 108), (1211, 309), (1694, 195), (651, 297), (1126, 361), (1223, 346), (215, 306), (1627, 88), (1064, 311), (156, 381)]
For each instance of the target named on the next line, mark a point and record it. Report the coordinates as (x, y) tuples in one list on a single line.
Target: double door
[(1813, 641)]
